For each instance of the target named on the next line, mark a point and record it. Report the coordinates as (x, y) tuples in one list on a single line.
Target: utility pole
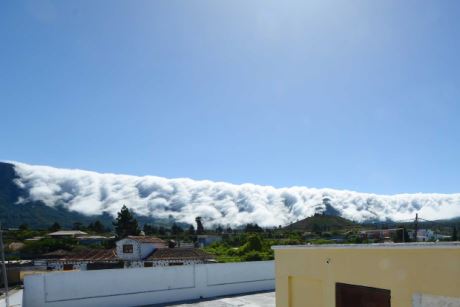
[(416, 227), (5, 278)]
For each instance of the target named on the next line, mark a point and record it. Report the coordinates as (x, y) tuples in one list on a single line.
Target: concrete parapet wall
[(144, 286)]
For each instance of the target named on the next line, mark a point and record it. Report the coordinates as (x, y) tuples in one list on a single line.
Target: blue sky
[(359, 95)]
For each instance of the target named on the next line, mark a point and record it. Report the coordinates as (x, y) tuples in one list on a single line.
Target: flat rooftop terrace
[(263, 299), (414, 245)]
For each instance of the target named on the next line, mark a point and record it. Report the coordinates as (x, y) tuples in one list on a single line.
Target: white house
[(130, 252), (137, 248), (425, 235)]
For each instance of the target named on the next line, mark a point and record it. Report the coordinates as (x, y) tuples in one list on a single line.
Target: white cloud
[(218, 202)]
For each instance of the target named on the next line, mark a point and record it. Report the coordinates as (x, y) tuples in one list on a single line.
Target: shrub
[(252, 256)]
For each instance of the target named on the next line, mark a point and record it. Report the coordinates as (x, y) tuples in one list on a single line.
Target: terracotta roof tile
[(179, 253), (147, 239), (85, 255)]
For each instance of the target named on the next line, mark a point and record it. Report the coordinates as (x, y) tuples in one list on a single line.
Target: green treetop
[(126, 224)]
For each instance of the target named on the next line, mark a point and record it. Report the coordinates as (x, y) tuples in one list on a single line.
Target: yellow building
[(361, 275)]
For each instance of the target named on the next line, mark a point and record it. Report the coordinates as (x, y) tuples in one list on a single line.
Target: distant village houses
[(382, 235), (427, 235), (67, 234), (130, 252)]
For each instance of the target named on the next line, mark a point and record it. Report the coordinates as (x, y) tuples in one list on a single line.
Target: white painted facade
[(82, 265), (145, 286), (59, 265), (176, 262), (427, 235), (140, 250), (161, 263)]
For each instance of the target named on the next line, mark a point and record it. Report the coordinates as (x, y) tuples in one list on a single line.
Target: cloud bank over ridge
[(222, 203)]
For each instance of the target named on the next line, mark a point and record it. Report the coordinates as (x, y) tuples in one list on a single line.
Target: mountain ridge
[(89, 194)]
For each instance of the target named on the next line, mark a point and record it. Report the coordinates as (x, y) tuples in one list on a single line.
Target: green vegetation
[(254, 248), (126, 224), (199, 226), (47, 245), (319, 223)]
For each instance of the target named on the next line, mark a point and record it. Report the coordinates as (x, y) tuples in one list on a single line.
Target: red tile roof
[(180, 254), (84, 255), (147, 239)]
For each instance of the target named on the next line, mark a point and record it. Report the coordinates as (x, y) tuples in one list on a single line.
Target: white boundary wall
[(426, 300), (145, 286)]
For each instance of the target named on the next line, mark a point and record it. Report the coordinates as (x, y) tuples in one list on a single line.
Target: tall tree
[(454, 234), (254, 243), (253, 228), (176, 229), (149, 229), (191, 230), (199, 226), (98, 227), (55, 227), (126, 224), (219, 229)]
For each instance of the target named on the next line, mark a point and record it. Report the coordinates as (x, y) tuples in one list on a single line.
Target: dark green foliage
[(316, 228), (252, 256), (320, 223), (219, 229), (97, 227), (175, 229), (21, 235), (242, 247), (191, 230), (321, 241), (35, 248), (150, 230), (254, 243), (253, 228), (126, 224), (55, 227), (162, 231), (454, 234)]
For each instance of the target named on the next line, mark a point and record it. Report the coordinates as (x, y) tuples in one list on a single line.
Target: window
[(148, 264), (127, 248)]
